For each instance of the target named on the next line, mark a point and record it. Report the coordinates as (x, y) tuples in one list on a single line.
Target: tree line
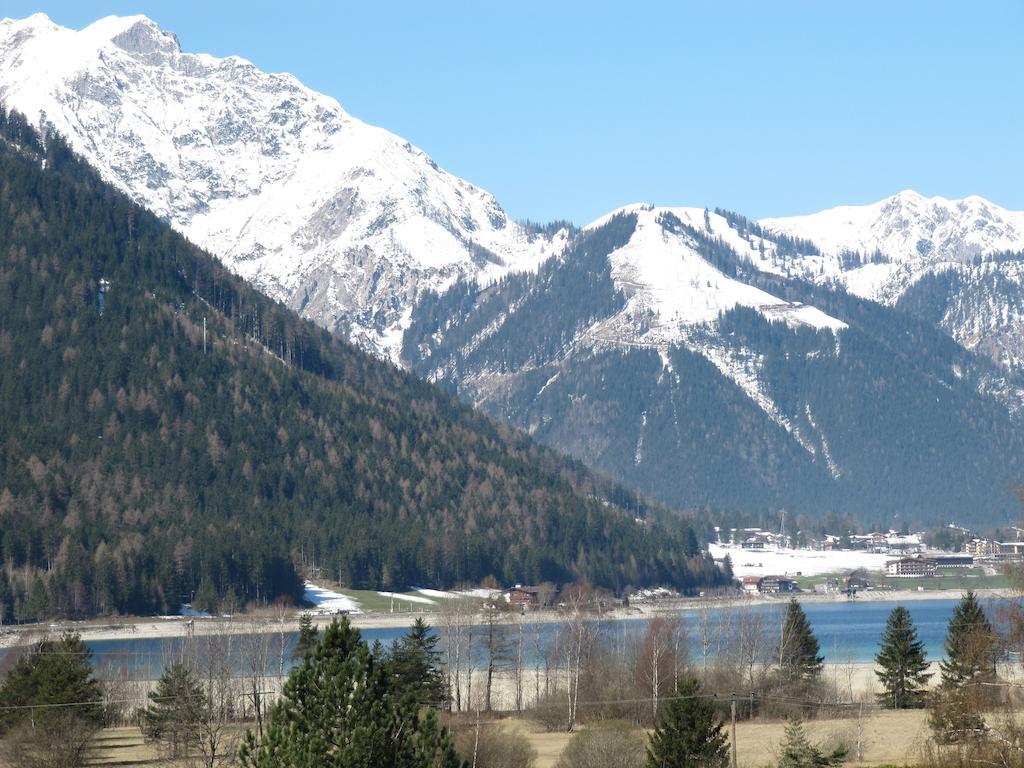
[(169, 435), (347, 702)]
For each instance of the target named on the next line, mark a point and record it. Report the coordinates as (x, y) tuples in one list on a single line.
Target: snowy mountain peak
[(345, 222), (672, 286), (909, 227)]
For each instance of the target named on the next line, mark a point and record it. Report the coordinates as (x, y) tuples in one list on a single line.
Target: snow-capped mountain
[(341, 220), (970, 247), (909, 228), (671, 348)]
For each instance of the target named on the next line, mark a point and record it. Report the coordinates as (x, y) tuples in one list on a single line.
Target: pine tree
[(54, 673), (901, 657), (970, 645), (688, 734), (798, 752), (799, 659), (967, 670), (727, 569), (175, 711), (415, 665), (340, 708), (307, 638)]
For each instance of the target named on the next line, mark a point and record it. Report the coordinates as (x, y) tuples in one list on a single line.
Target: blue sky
[(570, 109)]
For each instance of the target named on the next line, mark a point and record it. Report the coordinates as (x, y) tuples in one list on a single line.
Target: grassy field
[(371, 601), (971, 578), (889, 738)]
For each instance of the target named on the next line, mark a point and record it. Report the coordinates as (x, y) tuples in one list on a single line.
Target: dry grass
[(888, 738), (121, 747)]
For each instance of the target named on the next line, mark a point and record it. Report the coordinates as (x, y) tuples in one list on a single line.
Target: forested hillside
[(783, 395), (166, 430)]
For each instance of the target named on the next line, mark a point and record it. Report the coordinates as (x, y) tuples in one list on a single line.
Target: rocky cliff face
[(343, 221)]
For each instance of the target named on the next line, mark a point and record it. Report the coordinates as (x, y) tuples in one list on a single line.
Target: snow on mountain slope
[(950, 245), (643, 350), (343, 221), (664, 274), (912, 234), (908, 227), (675, 295)]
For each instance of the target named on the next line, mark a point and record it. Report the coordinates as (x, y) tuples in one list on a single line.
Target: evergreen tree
[(970, 664), (688, 733), (56, 672), (970, 645), (415, 666), (307, 638), (798, 653), (727, 569), (901, 657), (205, 598), (175, 711), (799, 752), (37, 727), (134, 338), (340, 708)]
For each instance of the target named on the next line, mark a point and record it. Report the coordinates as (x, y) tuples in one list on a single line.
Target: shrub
[(495, 748), (611, 744)]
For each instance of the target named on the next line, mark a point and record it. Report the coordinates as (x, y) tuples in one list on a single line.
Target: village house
[(524, 597), (756, 538), (888, 543)]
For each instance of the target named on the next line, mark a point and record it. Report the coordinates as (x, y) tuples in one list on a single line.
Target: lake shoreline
[(129, 628)]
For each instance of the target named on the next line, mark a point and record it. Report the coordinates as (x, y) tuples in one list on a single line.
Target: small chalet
[(526, 597)]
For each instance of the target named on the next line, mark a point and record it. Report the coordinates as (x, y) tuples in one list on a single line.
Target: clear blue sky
[(569, 109)]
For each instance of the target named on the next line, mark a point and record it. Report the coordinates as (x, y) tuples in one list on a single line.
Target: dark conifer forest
[(165, 430), (887, 419)]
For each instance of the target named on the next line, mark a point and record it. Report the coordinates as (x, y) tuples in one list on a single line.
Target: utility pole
[(735, 762)]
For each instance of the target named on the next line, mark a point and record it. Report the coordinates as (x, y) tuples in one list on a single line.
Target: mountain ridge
[(338, 219), (365, 235), (165, 429), (712, 378)]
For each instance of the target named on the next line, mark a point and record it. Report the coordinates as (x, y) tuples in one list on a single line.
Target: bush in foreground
[(494, 747), (607, 745)]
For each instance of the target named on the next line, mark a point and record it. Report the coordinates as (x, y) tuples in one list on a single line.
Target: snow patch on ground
[(833, 467), (409, 598), (328, 601), (782, 562), (192, 613), (481, 594), (638, 455)]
